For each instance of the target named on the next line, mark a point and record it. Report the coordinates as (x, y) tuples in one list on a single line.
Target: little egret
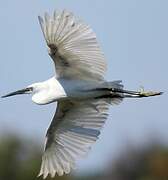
[(79, 88)]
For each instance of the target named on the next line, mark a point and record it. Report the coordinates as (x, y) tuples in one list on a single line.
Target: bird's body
[(54, 89), (82, 94)]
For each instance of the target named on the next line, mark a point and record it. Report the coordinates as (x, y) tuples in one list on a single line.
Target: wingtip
[(38, 175), (44, 176), (46, 16), (40, 19)]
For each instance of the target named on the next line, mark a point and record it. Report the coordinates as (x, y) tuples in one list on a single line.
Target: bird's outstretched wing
[(75, 127), (73, 47)]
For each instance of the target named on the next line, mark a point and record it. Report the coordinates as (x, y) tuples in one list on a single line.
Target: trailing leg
[(135, 94)]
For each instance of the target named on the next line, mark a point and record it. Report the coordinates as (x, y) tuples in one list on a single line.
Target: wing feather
[(71, 134), (73, 47)]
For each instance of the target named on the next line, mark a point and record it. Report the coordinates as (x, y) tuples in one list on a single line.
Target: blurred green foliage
[(20, 160), (147, 162)]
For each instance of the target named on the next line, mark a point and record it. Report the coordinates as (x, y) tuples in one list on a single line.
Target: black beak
[(22, 91)]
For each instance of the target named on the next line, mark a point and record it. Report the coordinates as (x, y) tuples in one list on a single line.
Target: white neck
[(48, 91)]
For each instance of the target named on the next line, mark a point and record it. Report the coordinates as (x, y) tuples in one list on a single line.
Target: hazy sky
[(134, 37)]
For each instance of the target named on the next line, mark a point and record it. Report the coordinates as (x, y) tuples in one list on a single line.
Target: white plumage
[(79, 87), (75, 126), (71, 42)]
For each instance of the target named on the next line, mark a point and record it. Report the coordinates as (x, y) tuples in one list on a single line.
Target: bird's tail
[(113, 98)]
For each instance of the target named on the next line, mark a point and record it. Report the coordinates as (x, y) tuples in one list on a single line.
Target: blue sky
[(134, 37)]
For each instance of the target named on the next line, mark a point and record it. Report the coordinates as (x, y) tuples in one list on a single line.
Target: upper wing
[(73, 47), (75, 127)]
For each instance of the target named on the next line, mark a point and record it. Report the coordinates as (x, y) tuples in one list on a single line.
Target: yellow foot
[(144, 93)]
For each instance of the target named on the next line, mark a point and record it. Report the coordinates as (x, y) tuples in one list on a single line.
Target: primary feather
[(74, 128), (73, 47)]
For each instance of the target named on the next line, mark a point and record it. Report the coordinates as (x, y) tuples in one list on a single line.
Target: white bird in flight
[(79, 88)]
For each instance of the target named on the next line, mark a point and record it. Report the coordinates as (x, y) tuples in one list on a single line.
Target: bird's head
[(31, 89), (38, 91)]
